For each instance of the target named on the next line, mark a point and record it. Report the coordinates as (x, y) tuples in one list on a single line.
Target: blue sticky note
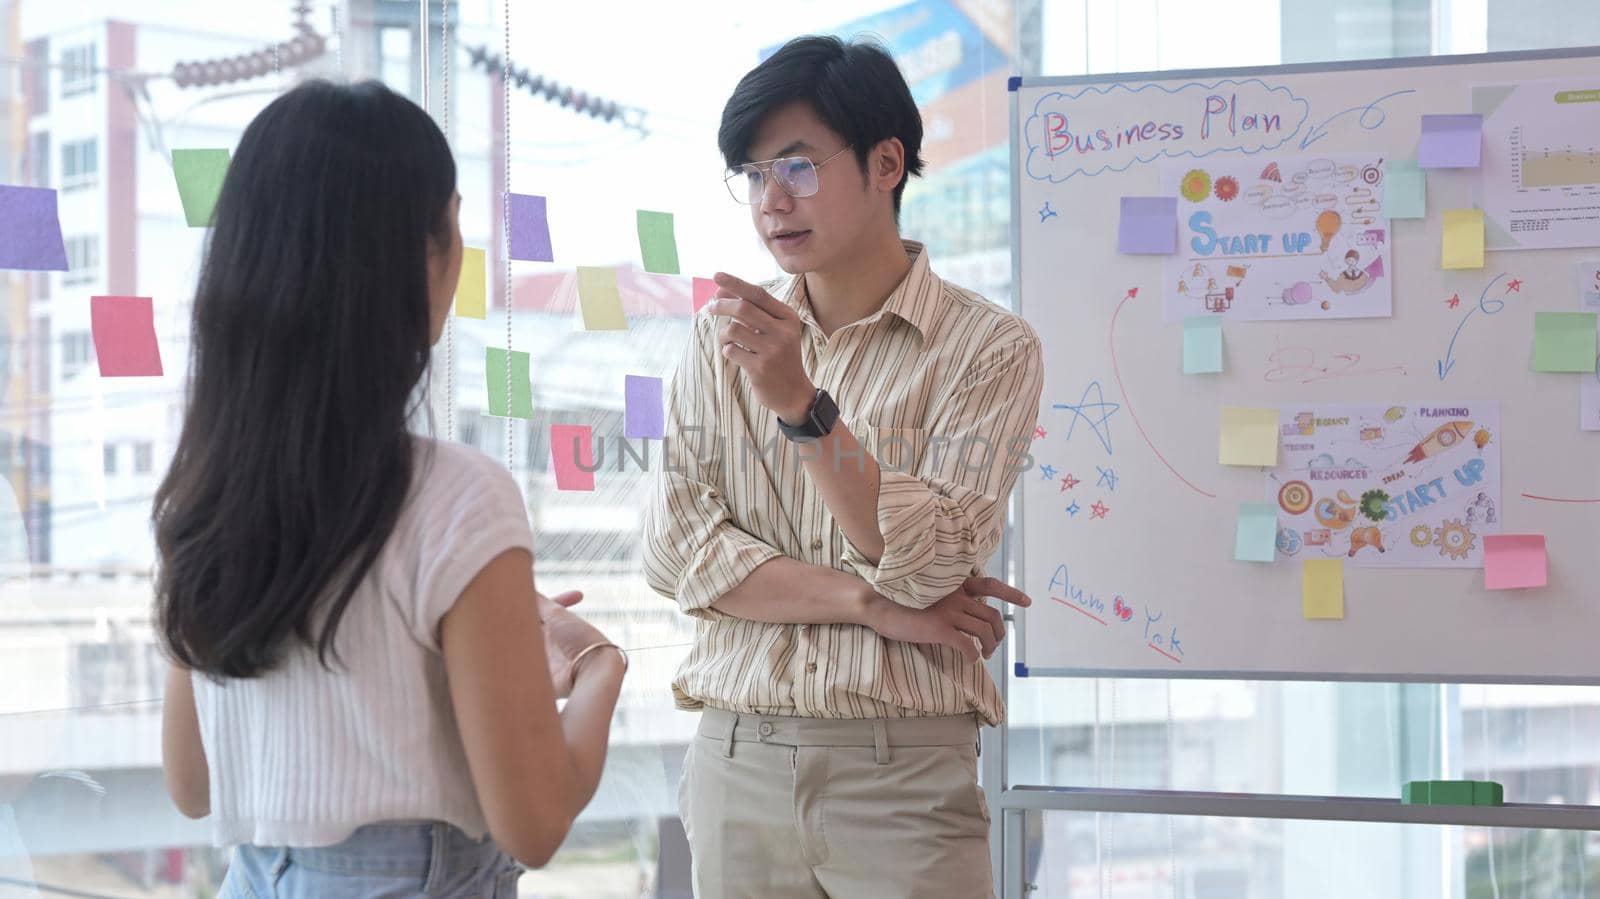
[(30, 230), (1256, 536), (1148, 225), (1451, 142), (643, 417), (1405, 190), (530, 228), (1202, 345)]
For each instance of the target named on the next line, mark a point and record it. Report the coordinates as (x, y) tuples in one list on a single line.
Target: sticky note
[(572, 451), (1463, 238), (1514, 561), (1322, 589), (1414, 792), (1249, 436), (1564, 341), (530, 228), (1202, 345), (30, 230), (704, 290), (1256, 535), (1148, 225), (658, 245), (1450, 792), (1451, 142), (1488, 792), (1405, 189), (494, 372), (199, 174), (124, 330), (471, 293), (600, 299), (643, 415)]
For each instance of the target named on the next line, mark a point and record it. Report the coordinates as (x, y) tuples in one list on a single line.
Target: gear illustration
[(1421, 536), (1374, 505), (1227, 187), (1454, 539)]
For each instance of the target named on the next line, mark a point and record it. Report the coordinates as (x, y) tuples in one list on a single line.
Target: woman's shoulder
[(450, 472)]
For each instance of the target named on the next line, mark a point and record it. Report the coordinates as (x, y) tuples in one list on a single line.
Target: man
[(853, 435)]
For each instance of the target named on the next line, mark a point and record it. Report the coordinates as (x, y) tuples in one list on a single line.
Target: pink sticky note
[(124, 331), (1514, 561), (704, 290), (570, 447)]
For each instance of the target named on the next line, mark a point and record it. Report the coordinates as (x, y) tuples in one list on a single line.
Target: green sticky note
[(1487, 792), (521, 386), (1405, 190), (1202, 345), (1450, 792), (657, 242), (1463, 238), (600, 299), (1255, 537), (1249, 437), (1563, 341), (199, 174)]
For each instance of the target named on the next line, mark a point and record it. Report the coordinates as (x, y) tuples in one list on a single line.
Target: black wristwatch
[(819, 419)]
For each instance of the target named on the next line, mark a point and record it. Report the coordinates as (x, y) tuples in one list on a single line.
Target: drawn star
[(1046, 212), (1038, 433), (1454, 301), (1097, 414), (1514, 285), (1074, 509), (1099, 509), (1069, 482), (1108, 478), (1048, 472)]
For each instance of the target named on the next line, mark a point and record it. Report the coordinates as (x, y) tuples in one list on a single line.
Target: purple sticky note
[(1451, 142), (530, 228), (124, 332), (1514, 561), (1149, 225), (643, 417), (30, 230)]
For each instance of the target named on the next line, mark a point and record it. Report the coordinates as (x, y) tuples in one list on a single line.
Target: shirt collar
[(912, 300)]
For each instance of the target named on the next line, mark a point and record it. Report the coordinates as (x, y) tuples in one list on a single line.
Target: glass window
[(110, 451), (78, 70), (79, 163), (83, 259)]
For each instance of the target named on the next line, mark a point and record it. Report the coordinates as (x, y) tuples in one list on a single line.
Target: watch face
[(824, 412)]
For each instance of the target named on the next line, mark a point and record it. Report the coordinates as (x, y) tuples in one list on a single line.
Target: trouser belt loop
[(733, 725), (880, 741)]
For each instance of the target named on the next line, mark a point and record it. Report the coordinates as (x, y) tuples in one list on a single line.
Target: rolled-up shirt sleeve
[(694, 552), (942, 520)]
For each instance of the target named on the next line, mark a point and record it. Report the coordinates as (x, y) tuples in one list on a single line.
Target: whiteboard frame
[(1021, 667)]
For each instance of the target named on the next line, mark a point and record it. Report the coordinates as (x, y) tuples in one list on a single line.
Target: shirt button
[(816, 544), (811, 667), (765, 729)]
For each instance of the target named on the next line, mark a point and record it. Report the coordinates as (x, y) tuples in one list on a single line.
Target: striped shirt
[(942, 388)]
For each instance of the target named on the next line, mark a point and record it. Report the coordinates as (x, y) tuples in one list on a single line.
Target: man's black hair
[(855, 88)]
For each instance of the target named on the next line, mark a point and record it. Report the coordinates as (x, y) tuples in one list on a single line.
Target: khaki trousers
[(785, 808)]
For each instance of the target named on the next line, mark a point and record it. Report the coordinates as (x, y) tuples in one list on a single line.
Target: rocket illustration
[(1443, 437)]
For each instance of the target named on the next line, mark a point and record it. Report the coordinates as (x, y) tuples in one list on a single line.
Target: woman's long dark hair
[(310, 333)]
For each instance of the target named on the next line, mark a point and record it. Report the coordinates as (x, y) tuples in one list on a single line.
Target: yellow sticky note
[(471, 296), (600, 298), (1249, 436), (1322, 589), (1463, 238)]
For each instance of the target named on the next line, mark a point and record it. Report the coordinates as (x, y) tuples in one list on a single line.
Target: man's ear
[(886, 165)]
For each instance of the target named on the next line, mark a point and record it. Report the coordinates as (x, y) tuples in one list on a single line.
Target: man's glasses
[(796, 175)]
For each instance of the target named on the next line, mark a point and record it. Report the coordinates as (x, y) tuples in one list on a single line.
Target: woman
[(364, 681)]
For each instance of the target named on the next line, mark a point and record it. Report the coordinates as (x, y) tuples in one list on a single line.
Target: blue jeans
[(379, 861)]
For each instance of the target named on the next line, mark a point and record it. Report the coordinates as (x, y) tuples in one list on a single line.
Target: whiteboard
[(1147, 584)]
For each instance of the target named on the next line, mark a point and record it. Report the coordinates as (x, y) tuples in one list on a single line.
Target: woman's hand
[(565, 635)]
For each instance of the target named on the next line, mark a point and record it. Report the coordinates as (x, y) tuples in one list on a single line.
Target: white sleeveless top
[(303, 755)]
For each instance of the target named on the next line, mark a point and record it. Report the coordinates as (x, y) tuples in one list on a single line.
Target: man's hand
[(955, 621), (762, 336)]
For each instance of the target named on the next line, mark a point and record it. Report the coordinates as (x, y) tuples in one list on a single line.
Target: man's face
[(806, 234)]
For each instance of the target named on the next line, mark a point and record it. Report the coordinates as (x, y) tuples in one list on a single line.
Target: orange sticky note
[(1322, 589), (1514, 561), (572, 451)]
